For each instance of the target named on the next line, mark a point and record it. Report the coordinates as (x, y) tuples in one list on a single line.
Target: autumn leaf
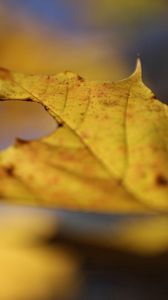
[(30, 269), (109, 153)]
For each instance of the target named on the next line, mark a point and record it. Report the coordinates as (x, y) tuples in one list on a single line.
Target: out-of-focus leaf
[(30, 269), (26, 45), (108, 154), (145, 236)]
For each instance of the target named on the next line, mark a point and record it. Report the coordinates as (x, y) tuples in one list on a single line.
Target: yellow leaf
[(30, 269), (110, 152)]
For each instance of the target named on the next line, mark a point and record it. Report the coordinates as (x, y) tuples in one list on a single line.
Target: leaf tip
[(137, 74), (138, 68)]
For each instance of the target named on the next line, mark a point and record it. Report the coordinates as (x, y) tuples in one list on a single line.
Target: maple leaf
[(109, 153)]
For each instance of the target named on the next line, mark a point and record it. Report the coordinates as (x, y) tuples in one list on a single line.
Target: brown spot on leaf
[(129, 115), (9, 170), (5, 74), (60, 125), (28, 100), (153, 96), (161, 180), (21, 142), (84, 135), (80, 78), (110, 102)]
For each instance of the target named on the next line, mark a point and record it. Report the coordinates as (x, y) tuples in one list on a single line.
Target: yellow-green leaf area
[(109, 153)]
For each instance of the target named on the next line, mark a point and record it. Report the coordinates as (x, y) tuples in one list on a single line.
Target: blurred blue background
[(98, 39)]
